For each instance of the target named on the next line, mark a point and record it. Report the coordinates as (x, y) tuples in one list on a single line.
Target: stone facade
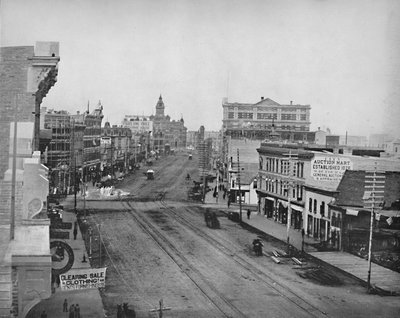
[(116, 149), (26, 75), (138, 124), (166, 131), (256, 121), (91, 157)]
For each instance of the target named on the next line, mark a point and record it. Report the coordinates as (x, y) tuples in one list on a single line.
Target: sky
[(339, 56)]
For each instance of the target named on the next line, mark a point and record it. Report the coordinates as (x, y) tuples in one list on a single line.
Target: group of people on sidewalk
[(74, 310)]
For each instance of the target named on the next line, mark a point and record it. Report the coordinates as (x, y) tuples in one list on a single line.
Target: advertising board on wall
[(83, 278), (329, 168)]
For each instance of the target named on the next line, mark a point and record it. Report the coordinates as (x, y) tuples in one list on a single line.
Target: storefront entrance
[(268, 208)]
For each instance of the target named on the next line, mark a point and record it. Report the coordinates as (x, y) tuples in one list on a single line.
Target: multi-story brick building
[(58, 158), (91, 141), (309, 179), (116, 148), (26, 75), (255, 121)]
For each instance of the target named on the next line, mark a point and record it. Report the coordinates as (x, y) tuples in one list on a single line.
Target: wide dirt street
[(156, 246)]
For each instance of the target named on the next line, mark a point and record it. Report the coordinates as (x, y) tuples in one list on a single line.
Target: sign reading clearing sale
[(329, 168), (84, 278)]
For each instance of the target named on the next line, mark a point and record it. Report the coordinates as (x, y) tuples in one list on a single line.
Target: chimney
[(262, 97), (291, 102)]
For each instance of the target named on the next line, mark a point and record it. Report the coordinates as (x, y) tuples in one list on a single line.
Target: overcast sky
[(341, 57)]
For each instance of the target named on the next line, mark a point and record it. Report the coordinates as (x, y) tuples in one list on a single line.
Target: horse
[(257, 247), (129, 313), (119, 311), (124, 312)]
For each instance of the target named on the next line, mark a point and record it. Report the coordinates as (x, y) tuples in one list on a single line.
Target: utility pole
[(289, 193), (373, 199), (240, 190), (99, 226), (90, 242), (202, 166), (112, 157), (217, 184), (84, 200), (14, 171), (74, 154)]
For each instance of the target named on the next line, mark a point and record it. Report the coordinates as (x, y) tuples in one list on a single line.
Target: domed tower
[(160, 108)]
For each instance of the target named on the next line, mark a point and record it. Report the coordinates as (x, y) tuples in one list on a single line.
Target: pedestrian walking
[(58, 282), (77, 311), (72, 311), (65, 305), (248, 214), (229, 203), (75, 233)]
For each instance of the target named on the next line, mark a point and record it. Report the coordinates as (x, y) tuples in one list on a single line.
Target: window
[(267, 116), (231, 115), (303, 117), (288, 117), (322, 208), (315, 206), (300, 194), (300, 170), (245, 115)]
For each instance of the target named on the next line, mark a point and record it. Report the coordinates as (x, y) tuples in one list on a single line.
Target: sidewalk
[(89, 300), (381, 277)]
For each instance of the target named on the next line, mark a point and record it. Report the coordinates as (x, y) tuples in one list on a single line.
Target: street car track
[(208, 290), (260, 275)]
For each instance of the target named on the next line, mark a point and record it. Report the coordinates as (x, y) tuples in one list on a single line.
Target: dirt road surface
[(156, 246)]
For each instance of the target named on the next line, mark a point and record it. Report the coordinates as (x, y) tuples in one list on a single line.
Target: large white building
[(138, 124), (256, 121)]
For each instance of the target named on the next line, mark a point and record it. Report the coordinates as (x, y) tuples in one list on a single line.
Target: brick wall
[(15, 101)]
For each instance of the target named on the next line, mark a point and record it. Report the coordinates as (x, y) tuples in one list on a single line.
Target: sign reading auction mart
[(329, 168), (84, 278)]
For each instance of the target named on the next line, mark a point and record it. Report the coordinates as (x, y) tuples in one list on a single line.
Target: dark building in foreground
[(26, 75)]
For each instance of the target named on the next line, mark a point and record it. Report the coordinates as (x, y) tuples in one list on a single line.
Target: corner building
[(298, 184), (26, 75)]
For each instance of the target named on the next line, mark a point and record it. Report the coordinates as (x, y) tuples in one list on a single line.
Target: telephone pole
[(289, 193), (373, 200), (239, 186), (74, 154)]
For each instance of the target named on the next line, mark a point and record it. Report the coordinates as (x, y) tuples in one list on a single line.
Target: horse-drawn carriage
[(211, 220)]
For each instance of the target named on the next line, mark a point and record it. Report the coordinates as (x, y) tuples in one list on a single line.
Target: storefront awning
[(352, 212), (297, 208)]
